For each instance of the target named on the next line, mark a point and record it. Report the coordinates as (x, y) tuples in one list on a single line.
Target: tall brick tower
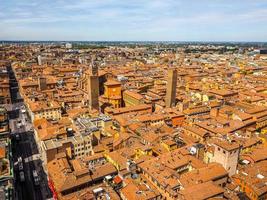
[(171, 88), (93, 86), (42, 83)]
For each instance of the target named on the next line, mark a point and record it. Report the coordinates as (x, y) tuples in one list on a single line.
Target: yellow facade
[(113, 93), (132, 98), (140, 152), (208, 157), (48, 114), (170, 146), (264, 131), (113, 162)]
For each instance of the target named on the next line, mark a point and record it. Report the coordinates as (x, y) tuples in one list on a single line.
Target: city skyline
[(111, 20), (130, 120)]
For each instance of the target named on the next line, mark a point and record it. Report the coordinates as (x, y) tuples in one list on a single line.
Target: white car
[(18, 125)]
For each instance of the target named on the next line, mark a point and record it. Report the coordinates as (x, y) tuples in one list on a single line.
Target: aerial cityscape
[(150, 100)]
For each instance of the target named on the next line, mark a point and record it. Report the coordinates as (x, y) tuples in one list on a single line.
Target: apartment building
[(74, 147), (132, 98), (43, 109)]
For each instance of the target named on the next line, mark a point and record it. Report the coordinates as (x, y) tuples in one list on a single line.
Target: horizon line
[(204, 41)]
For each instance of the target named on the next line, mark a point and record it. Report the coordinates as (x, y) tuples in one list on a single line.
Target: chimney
[(214, 112)]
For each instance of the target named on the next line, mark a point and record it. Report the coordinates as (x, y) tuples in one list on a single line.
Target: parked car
[(17, 137), (21, 176), (20, 163), (36, 177)]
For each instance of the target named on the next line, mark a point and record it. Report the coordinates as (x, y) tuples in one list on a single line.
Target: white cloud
[(130, 18)]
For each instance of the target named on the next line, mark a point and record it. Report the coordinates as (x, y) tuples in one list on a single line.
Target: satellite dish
[(192, 150)]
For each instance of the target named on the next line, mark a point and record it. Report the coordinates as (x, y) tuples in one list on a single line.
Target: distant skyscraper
[(93, 87), (39, 60), (171, 88)]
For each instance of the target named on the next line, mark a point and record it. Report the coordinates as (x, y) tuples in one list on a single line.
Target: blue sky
[(138, 20)]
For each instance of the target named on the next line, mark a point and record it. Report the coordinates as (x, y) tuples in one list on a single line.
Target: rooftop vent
[(244, 173), (260, 176)]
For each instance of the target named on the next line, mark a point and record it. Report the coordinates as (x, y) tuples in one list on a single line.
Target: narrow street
[(24, 146)]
